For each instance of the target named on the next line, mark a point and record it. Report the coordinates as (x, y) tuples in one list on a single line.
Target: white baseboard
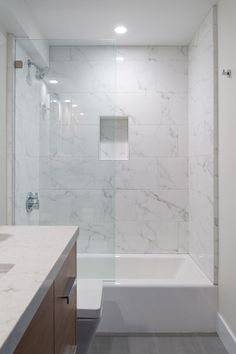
[(226, 335)]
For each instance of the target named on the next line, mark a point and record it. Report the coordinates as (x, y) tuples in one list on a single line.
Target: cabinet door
[(65, 306), (39, 336)]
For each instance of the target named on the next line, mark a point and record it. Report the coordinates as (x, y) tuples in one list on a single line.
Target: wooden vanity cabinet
[(53, 328), (65, 294), (39, 336)]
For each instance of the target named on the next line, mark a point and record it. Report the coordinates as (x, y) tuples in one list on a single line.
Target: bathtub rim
[(150, 282)]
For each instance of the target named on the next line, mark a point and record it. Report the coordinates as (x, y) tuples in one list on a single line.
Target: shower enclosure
[(65, 124), (121, 141)]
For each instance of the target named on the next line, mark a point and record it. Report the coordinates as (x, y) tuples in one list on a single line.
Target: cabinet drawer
[(39, 336), (65, 294)]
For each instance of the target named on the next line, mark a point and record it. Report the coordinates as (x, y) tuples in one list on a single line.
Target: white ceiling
[(163, 22)]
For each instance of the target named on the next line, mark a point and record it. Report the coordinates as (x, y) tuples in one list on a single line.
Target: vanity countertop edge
[(37, 254)]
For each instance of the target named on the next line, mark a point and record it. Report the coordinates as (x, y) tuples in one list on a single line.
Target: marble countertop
[(37, 253)]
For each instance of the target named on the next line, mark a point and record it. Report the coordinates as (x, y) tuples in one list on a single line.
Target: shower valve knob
[(32, 202)]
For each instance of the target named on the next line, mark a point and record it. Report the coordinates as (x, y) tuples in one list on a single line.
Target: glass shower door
[(62, 93)]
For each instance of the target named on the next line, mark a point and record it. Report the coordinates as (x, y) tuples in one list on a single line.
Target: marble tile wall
[(139, 205), (29, 95), (163, 199), (202, 114)]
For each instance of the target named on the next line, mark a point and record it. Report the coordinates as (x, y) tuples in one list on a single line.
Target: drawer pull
[(70, 287)]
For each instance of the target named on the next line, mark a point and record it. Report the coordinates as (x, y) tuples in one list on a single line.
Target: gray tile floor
[(157, 345)]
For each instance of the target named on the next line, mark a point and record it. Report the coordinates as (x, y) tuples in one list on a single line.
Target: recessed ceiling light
[(120, 29), (74, 105), (120, 58), (54, 101), (53, 81), (81, 114), (67, 101)]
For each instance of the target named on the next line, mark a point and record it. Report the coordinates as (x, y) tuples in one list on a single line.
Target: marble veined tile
[(152, 53), (201, 172), (201, 226), (183, 141), (96, 238), (152, 77), (84, 77), (162, 205), (153, 141), (202, 147), (151, 205), (73, 140), (172, 173), (152, 173), (147, 237), (136, 174), (27, 174), (77, 206), (75, 173), (146, 197)]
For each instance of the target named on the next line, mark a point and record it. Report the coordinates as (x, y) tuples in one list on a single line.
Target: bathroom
[(117, 161)]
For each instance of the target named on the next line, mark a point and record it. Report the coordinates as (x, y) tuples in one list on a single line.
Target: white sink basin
[(4, 268)]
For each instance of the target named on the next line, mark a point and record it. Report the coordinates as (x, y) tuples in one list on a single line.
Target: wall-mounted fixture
[(19, 64), (32, 202), (40, 73), (227, 73)]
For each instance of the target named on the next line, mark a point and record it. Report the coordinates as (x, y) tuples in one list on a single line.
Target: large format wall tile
[(161, 200), (152, 76), (73, 207), (73, 173), (172, 173), (147, 237), (138, 205), (74, 140), (136, 174), (152, 173), (153, 141), (202, 146)]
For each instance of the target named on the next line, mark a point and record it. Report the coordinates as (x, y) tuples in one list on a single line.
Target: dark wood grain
[(53, 328), (39, 336), (64, 313)]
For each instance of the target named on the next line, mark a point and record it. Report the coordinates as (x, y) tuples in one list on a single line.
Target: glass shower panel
[(62, 90), (3, 196)]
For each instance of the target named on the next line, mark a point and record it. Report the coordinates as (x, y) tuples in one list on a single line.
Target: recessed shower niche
[(114, 142)]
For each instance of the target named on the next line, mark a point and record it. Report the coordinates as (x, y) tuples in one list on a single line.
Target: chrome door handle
[(32, 202), (69, 290)]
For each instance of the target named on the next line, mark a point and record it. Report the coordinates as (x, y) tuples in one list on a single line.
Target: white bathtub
[(152, 293)]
